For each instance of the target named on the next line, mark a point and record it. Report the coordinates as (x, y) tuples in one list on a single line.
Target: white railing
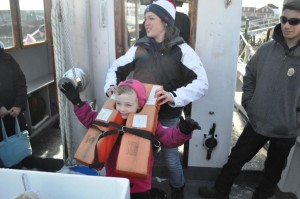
[(259, 24), (246, 50)]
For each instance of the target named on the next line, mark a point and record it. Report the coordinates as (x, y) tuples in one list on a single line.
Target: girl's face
[(127, 103), (155, 27)]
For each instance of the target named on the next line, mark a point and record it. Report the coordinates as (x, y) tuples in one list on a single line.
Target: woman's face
[(127, 103), (154, 26)]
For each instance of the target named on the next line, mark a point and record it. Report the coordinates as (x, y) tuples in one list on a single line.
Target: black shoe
[(156, 193), (210, 192), (177, 193)]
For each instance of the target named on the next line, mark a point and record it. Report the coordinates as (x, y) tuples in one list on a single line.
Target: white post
[(217, 44)]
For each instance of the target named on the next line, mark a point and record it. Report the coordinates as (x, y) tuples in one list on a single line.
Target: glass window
[(130, 22), (32, 21), (6, 28)]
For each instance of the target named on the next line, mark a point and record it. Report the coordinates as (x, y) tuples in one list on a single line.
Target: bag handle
[(4, 134), (17, 127)]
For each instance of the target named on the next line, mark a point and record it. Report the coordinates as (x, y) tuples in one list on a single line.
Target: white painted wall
[(102, 44), (217, 44)]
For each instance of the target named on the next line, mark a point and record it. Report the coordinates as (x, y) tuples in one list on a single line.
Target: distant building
[(268, 11)]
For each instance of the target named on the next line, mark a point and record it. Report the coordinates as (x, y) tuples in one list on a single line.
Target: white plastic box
[(61, 186)]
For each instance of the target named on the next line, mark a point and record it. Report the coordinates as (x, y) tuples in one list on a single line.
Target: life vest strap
[(100, 123), (138, 132), (144, 134), (104, 134), (97, 163), (118, 126)]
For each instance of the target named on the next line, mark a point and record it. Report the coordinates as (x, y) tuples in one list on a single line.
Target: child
[(130, 98)]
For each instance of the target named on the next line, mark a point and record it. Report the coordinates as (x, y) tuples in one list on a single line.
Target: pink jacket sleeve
[(85, 114), (171, 137)]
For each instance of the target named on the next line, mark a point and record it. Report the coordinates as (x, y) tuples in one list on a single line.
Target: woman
[(162, 57), (13, 95)]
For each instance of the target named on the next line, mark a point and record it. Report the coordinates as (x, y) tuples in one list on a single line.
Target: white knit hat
[(164, 9)]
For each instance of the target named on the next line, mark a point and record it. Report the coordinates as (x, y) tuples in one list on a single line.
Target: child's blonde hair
[(124, 89)]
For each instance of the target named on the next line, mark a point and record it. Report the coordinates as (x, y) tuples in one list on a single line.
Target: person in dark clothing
[(13, 94), (183, 23), (273, 109)]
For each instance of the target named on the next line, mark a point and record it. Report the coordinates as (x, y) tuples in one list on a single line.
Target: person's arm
[(119, 70), (198, 86), (249, 81), (85, 114), (82, 109), (171, 137), (20, 87)]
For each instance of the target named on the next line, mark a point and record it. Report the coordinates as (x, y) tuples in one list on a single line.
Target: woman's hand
[(3, 111), (14, 111), (111, 91), (163, 96)]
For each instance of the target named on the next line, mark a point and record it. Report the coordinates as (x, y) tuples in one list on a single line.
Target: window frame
[(20, 29), (17, 26)]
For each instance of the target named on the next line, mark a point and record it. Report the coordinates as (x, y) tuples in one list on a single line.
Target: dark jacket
[(13, 87), (13, 90), (183, 23), (271, 89)]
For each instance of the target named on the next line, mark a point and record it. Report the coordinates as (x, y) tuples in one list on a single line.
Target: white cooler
[(48, 185)]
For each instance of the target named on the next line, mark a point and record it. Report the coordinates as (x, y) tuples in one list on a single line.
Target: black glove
[(71, 93), (188, 125)]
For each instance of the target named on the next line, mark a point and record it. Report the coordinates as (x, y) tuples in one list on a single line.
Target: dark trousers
[(248, 144)]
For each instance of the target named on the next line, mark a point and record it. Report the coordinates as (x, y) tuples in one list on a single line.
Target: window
[(32, 21), (131, 22), (28, 16), (6, 28), (134, 19)]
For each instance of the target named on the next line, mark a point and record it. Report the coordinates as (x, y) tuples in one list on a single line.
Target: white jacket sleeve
[(111, 78), (198, 87)]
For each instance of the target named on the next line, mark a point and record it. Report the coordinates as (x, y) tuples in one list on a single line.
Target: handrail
[(259, 24), (247, 50)]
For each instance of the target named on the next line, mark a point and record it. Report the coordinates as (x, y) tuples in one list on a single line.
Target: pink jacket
[(168, 137)]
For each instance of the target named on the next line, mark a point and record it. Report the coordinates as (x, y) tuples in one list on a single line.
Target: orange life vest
[(100, 138), (136, 144)]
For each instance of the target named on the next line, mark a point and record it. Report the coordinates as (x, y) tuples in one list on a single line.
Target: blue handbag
[(15, 148)]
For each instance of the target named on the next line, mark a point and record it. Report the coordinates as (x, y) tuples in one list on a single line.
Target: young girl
[(130, 98)]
